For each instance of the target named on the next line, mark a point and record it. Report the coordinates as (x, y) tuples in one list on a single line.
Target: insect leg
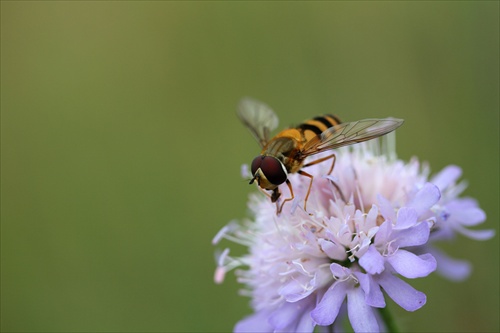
[(278, 211), (310, 185), (332, 156), (303, 173)]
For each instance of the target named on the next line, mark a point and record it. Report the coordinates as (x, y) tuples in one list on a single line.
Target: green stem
[(388, 320)]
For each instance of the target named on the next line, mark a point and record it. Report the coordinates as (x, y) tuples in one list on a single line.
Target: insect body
[(286, 152)]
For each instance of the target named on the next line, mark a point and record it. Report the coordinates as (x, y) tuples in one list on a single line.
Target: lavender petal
[(446, 177), (425, 198), (414, 236), (258, 322), (450, 268), (328, 308), (372, 261), (410, 265), (373, 295), (401, 292), (360, 314)]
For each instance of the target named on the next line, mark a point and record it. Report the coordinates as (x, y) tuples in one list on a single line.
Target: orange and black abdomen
[(315, 126)]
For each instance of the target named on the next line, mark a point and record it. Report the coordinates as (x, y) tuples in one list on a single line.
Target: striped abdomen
[(316, 126)]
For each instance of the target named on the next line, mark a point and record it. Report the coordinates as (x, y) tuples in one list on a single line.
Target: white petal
[(333, 250), (386, 208), (371, 218)]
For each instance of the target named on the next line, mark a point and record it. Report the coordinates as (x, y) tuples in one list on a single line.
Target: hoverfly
[(285, 153)]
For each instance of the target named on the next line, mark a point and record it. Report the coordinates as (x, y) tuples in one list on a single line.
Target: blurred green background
[(121, 151)]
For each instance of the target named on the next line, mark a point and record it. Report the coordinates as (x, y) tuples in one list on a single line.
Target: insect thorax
[(287, 150)]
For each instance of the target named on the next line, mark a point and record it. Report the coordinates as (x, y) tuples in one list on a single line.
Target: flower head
[(367, 224)]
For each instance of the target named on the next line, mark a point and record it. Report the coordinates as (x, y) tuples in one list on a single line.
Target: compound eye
[(256, 164), (273, 170)]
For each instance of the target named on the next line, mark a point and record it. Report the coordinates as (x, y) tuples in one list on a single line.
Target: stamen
[(388, 251), (236, 240), (245, 292), (353, 252), (222, 232), (220, 273), (223, 257), (226, 264)]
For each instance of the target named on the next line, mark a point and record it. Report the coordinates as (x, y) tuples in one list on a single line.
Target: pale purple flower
[(453, 216), (347, 252)]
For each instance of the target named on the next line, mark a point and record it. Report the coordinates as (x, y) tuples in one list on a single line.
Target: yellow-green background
[(121, 151)]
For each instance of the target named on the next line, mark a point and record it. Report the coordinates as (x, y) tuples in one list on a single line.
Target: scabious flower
[(369, 223)]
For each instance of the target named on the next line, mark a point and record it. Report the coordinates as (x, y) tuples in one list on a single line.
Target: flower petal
[(339, 271), (447, 177), (373, 295), (332, 250), (452, 269), (407, 217), (372, 261), (296, 289), (425, 198), (410, 265), (458, 204), (290, 315), (360, 314), (383, 234), (328, 308), (413, 236), (339, 323), (258, 322), (401, 292), (470, 216), (386, 208), (305, 323), (371, 218), (475, 234)]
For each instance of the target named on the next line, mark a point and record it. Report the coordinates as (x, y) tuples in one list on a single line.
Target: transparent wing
[(350, 133), (258, 117)]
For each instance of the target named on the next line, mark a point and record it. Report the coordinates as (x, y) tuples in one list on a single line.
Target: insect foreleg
[(278, 211)]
